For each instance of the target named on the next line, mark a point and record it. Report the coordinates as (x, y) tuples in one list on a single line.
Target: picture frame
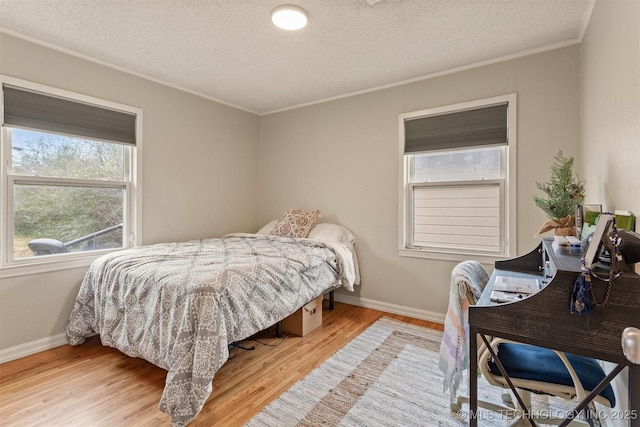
[(588, 214), (605, 221)]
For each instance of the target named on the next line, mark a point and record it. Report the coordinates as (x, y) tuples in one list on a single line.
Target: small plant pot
[(565, 231)]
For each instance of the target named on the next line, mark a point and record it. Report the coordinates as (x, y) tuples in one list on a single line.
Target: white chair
[(543, 371)]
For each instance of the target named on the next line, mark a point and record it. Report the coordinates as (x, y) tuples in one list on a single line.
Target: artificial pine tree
[(563, 192)]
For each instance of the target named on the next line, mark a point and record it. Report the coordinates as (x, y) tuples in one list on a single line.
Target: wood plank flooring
[(93, 385)]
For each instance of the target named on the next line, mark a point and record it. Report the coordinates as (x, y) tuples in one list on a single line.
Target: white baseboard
[(32, 347), (402, 310), (43, 344)]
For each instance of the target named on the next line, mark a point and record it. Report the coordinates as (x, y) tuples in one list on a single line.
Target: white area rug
[(386, 376)]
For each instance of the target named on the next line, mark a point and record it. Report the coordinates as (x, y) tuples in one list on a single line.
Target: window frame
[(10, 266), (507, 184)]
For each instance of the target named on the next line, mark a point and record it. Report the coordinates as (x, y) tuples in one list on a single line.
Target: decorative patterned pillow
[(295, 223)]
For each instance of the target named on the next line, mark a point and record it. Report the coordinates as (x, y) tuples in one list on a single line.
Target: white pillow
[(332, 233), (267, 228)]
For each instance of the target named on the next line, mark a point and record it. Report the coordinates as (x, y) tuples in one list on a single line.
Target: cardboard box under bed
[(305, 319)]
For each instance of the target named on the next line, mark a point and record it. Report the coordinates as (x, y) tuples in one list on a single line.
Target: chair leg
[(537, 417), (495, 407), (509, 413), (525, 395)]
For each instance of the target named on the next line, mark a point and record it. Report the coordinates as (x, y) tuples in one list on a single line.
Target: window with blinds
[(70, 179), (462, 217), (455, 163)]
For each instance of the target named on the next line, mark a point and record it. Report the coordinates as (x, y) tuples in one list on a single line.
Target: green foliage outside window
[(66, 212)]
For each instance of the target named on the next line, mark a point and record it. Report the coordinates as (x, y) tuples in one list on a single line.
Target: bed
[(180, 305)]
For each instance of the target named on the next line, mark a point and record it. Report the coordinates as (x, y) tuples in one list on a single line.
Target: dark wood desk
[(544, 319)]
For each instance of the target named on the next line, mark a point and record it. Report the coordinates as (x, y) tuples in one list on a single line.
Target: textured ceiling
[(228, 50)]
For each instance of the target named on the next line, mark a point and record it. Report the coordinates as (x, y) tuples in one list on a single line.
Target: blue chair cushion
[(541, 364)]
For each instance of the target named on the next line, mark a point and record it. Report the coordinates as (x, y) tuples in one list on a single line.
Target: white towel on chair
[(468, 280)]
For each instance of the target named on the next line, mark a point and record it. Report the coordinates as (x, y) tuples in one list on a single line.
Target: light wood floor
[(93, 385)]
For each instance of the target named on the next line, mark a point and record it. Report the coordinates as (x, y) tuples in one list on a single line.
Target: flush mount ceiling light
[(289, 17)]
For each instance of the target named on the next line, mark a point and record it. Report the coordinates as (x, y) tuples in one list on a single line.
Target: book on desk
[(510, 289)]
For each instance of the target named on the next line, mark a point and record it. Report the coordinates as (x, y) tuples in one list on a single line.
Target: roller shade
[(34, 110), (460, 129)]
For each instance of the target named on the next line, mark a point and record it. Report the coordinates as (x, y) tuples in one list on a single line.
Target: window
[(70, 178), (458, 180)]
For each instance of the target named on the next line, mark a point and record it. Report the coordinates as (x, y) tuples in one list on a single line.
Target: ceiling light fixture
[(289, 17)]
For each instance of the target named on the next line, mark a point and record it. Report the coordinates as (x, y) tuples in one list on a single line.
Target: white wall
[(610, 90), (610, 126), (200, 175), (341, 157)]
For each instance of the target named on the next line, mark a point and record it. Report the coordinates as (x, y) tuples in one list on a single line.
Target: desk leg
[(473, 377), (634, 395)]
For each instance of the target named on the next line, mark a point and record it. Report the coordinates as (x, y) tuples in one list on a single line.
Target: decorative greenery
[(564, 190)]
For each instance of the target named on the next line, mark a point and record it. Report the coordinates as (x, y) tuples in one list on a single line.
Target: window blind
[(37, 111), (460, 129), (459, 217)]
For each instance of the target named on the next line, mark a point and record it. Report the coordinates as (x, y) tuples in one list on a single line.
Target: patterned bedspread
[(179, 305)]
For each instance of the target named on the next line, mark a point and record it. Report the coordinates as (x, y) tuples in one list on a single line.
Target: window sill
[(51, 264), (443, 255)]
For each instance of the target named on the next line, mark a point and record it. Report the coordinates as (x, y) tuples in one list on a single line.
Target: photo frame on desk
[(586, 218), (601, 232)]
